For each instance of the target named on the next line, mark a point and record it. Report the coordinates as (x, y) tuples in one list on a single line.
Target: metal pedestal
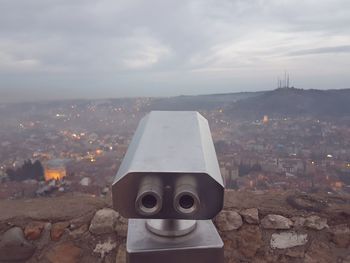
[(202, 245)]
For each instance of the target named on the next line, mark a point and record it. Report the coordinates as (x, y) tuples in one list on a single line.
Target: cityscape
[(80, 145), (193, 131)]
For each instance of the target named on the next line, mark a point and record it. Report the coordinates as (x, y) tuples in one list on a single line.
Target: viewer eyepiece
[(149, 199), (186, 200)]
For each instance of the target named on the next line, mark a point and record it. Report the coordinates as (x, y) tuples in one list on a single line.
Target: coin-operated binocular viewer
[(169, 185)]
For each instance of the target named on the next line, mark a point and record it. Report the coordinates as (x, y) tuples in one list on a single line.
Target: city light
[(54, 175), (283, 151), (338, 184)]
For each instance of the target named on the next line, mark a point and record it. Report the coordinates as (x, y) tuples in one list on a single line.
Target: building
[(55, 169)]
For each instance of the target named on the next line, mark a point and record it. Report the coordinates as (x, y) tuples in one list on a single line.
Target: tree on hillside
[(27, 171), (39, 172)]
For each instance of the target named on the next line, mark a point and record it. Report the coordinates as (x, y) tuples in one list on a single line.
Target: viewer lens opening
[(149, 201), (186, 201)]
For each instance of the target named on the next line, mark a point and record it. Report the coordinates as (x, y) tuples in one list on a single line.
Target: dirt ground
[(334, 207), (59, 208)]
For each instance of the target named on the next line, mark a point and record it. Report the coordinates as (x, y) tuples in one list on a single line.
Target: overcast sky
[(54, 49)]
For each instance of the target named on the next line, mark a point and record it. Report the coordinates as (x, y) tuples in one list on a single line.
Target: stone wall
[(255, 227), (275, 238)]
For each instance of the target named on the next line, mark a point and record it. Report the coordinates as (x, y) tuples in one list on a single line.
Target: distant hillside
[(200, 102), (292, 102), (279, 102)]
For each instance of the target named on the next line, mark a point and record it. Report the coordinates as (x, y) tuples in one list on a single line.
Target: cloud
[(323, 50), (142, 52), (170, 47)]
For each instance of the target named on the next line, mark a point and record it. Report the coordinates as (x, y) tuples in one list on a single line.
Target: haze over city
[(103, 49)]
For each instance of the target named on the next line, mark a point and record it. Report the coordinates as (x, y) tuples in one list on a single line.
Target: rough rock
[(82, 220), (45, 236), (249, 239), (110, 258), (64, 253), (33, 230), (104, 248), (14, 247), (121, 227), (316, 222), (228, 221), (296, 252), (58, 229), (276, 222), (91, 259), (298, 222), (121, 254), (104, 221), (340, 235), (77, 233), (287, 240), (230, 245), (319, 252), (251, 215)]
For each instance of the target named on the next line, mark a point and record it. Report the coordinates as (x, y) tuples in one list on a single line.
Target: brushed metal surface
[(202, 245), (169, 145), (170, 227), (149, 200)]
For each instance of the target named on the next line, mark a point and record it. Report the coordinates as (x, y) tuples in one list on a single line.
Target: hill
[(294, 102), (282, 102), (200, 102)]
